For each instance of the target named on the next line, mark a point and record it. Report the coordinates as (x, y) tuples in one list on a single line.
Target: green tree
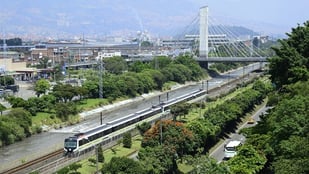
[(293, 157), (127, 85), (291, 61), (282, 135), (12, 42), (2, 108), (74, 167), (23, 118), (41, 86), (92, 86), (138, 66), (160, 62), (247, 160), (81, 92), (122, 165), (16, 101), (174, 135), (115, 65), (58, 75), (142, 128), (158, 78), (35, 104), (196, 71), (64, 92), (127, 140), (205, 165), (43, 62), (6, 80), (180, 109), (63, 110), (101, 158), (10, 131), (157, 160), (204, 131), (49, 102)]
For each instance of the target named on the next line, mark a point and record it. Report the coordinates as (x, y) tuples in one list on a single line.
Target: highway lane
[(48, 141), (218, 153)]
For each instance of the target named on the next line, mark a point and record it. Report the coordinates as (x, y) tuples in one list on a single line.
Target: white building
[(102, 55)]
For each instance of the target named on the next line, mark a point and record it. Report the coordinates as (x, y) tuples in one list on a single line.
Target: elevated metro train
[(83, 140)]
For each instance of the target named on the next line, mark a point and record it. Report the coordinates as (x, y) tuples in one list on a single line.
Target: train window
[(70, 143)]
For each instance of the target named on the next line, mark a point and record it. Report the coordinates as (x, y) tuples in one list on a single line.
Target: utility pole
[(162, 109), (5, 57), (101, 79), (207, 87), (243, 75), (101, 117)]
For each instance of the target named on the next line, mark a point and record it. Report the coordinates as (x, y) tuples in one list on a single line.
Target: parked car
[(251, 120)]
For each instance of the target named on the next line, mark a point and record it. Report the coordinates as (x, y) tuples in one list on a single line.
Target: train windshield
[(70, 143)]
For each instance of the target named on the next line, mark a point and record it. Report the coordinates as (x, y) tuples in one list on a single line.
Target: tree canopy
[(291, 62), (41, 86)]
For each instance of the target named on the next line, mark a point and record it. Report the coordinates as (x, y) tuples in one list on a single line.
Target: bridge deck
[(199, 59)]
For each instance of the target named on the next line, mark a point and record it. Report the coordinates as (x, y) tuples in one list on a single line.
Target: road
[(47, 142), (218, 153)]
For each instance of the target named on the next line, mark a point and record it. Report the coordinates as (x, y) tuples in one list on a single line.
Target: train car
[(84, 140), (76, 142)]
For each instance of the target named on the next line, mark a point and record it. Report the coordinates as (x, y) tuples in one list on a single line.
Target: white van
[(230, 149)]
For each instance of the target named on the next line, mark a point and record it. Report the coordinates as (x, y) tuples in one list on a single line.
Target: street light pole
[(207, 87), (101, 79), (162, 110), (243, 75)]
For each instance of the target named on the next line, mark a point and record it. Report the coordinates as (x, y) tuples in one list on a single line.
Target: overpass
[(232, 59), (148, 58)]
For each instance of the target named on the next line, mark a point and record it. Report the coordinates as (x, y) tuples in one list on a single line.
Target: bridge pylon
[(203, 47)]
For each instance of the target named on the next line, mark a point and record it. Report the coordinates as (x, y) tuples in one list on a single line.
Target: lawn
[(88, 104), (198, 112), (50, 119), (115, 151)]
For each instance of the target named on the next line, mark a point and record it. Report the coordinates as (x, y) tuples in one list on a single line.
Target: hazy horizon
[(160, 18)]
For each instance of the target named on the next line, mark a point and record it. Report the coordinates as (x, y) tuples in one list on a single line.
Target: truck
[(230, 149)]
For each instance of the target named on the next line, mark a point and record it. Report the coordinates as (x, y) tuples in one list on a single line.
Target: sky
[(160, 17), (269, 16)]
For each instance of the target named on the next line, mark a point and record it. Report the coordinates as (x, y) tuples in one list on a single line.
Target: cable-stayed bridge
[(223, 45), (213, 42)]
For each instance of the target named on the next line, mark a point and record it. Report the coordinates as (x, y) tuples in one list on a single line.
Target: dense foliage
[(6, 80), (127, 140), (179, 140), (143, 77), (205, 165), (11, 42), (122, 165), (41, 86), (14, 126), (291, 62), (282, 135), (60, 99)]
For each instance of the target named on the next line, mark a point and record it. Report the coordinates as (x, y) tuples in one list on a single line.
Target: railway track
[(53, 161), (34, 164)]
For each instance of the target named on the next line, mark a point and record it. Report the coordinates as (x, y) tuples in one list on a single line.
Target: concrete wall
[(9, 65)]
